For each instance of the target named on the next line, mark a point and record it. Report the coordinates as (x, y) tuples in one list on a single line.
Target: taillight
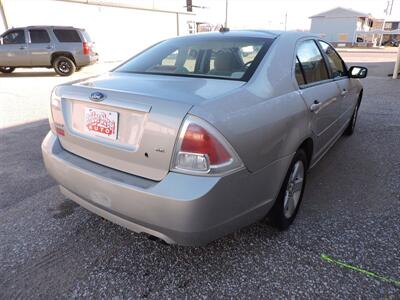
[(86, 48), (201, 149), (56, 118)]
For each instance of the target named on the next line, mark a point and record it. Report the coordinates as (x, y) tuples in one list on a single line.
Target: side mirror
[(358, 72)]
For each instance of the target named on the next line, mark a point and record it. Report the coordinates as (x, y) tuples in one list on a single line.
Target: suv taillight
[(201, 149), (86, 48)]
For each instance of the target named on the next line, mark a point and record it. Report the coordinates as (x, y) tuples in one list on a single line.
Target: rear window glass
[(227, 57), (39, 36), (312, 62), (67, 35)]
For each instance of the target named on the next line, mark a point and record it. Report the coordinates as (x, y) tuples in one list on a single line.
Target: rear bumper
[(86, 60), (182, 209)]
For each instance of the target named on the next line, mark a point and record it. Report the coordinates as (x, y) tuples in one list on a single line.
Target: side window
[(67, 36), (39, 36), (14, 37), (170, 60), (190, 62), (312, 62), (336, 63), (299, 73), (249, 53)]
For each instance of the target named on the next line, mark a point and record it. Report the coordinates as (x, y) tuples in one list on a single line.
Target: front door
[(339, 73), (13, 49), (40, 47), (320, 93)]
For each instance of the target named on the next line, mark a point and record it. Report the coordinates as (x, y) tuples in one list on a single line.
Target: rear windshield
[(67, 36), (233, 58)]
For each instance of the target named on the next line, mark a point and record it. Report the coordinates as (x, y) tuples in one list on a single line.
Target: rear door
[(68, 40), (13, 49), (339, 73), (319, 91), (40, 47)]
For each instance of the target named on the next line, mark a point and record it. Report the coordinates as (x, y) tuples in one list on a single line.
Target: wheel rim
[(353, 122), (294, 189), (64, 67)]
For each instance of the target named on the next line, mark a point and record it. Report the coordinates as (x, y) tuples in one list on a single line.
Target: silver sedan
[(199, 136)]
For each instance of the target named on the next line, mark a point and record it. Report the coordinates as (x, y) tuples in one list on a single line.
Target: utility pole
[(3, 15), (286, 21), (388, 12), (226, 14)]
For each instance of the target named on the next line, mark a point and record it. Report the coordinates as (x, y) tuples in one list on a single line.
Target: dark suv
[(66, 49)]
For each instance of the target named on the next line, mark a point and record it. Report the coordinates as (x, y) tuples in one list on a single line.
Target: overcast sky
[(257, 14), (271, 13)]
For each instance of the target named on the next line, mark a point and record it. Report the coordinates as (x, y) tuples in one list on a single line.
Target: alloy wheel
[(294, 189), (64, 67)]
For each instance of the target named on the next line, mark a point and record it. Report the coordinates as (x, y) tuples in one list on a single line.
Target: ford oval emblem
[(97, 96)]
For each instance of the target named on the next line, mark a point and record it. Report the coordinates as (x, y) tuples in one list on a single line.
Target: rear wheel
[(7, 70), (288, 201), (64, 66)]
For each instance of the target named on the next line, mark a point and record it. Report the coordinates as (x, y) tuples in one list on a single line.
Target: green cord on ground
[(354, 268)]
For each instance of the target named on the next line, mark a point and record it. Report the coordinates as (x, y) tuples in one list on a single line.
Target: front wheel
[(7, 70), (64, 66), (289, 198)]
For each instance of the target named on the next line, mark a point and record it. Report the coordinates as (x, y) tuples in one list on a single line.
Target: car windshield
[(233, 58)]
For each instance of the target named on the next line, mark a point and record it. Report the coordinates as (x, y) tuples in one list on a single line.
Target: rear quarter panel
[(260, 130)]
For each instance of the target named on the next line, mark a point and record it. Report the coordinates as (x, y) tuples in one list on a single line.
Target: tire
[(291, 193), (7, 70), (64, 66), (352, 125)]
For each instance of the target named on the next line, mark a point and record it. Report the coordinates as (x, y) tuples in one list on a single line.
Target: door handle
[(49, 47), (343, 92), (22, 47), (315, 106)]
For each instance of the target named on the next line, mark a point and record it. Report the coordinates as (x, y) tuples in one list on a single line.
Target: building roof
[(340, 12), (392, 19)]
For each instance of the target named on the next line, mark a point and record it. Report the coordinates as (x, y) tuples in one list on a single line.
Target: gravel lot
[(51, 248)]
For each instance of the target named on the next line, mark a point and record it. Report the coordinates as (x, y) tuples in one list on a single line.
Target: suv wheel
[(7, 70), (288, 201), (64, 66)]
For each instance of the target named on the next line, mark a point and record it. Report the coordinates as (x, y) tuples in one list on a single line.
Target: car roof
[(253, 33), (47, 26)]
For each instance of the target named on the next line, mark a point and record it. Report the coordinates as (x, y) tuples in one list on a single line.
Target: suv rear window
[(67, 35)]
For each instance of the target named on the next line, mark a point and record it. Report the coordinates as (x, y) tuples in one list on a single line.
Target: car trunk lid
[(134, 127)]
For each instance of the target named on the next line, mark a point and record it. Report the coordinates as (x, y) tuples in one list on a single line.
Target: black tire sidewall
[(10, 70), (350, 128), (276, 214), (61, 59)]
